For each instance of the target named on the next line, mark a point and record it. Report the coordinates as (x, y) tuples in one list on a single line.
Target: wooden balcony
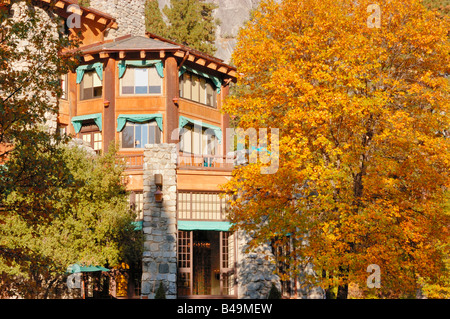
[(185, 161), (205, 162)]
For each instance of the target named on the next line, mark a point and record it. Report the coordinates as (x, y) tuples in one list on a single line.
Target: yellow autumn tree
[(360, 96)]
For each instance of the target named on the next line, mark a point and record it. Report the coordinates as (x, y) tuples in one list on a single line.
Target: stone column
[(159, 263)]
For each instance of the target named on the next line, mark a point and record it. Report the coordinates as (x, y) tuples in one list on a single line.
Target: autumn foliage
[(363, 114)]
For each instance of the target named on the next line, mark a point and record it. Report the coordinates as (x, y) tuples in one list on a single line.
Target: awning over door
[(188, 225)]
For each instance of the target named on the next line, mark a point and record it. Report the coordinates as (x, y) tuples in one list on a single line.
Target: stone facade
[(129, 15), (19, 12), (159, 262), (255, 273)]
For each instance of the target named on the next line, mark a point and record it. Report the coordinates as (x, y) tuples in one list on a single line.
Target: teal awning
[(76, 268), (77, 121), (217, 82), (137, 225), (203, 225), (141, 63), (185, 120), (138, 118), (98, 67)]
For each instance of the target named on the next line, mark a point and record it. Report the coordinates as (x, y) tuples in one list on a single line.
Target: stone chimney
[(129, 15)]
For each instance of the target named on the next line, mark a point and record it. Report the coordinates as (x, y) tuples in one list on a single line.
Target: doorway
[(206, 262)]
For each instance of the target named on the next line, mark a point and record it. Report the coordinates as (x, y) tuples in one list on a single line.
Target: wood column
[(109, 112), (225, 120), (73, 99), (172, 91)]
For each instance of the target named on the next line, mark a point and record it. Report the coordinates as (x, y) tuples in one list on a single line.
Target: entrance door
[(206, 262)]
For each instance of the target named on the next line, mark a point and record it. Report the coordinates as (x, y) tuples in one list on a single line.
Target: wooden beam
[(88, 57), (162, 54), (201, 61), (186, 56), (143, 54), (212, 65), (60, 4), (104, 55), (114, 25), (102, 21), (179, 54), (122, 54), (232, 73), (74, 9), (223, 69), (90, 16), (191, 58)]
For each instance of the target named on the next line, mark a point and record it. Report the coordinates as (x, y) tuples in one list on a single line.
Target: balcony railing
[(185, 161), (192, 161), (132, 162)]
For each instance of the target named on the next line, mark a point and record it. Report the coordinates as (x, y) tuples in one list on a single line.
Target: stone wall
[(159, 262), (51, 22), (129, 14), (255, 273)]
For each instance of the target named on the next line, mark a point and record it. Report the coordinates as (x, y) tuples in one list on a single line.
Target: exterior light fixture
[(106, 103), (158, 193)]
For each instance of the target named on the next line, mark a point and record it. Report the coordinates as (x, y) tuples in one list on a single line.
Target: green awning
[(137, 225), (185, 120), (217, 82), (98, 67), (203, 225), (141, 63), (138, 118), (77, 121), (76, 268)]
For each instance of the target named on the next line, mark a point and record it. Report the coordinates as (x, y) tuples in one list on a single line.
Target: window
[(199, 141), (64, 89), (90, 86), (198, 89), (136, 135), (141, 81), (91, 135)]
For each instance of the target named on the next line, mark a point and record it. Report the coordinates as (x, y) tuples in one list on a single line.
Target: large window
[(136, 135), (91, 135), (198, 141), (90, 86), (198, 89), (141, 81)]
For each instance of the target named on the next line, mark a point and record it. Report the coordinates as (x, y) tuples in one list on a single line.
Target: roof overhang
[(66, 7)]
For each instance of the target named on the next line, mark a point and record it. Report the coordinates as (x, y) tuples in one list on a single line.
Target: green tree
[(154, 22), (92, 226), (190, 22)]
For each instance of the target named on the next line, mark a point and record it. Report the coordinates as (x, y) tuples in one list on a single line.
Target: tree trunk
[(342, 292)]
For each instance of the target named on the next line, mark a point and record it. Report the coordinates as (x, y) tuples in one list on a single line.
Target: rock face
[(129, 14), (232, 15)]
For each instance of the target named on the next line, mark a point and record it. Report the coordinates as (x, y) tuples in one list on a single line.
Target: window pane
[(128, 136), (98, 91), (88, 79), (141, 80), (154, 89), (128, 81), (96, 79), (144, 136), (155, 81), (209, 94), (154, 133), (202, 91), (187, 86), (196, 141), (87, 138), (195, 88), (186, 139), (141, 90), (137, 136)]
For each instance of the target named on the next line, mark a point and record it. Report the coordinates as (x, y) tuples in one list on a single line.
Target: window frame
[(200, 149), (149, 82), (82, 83), (89, 128), (184, 84), (128, 124)]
